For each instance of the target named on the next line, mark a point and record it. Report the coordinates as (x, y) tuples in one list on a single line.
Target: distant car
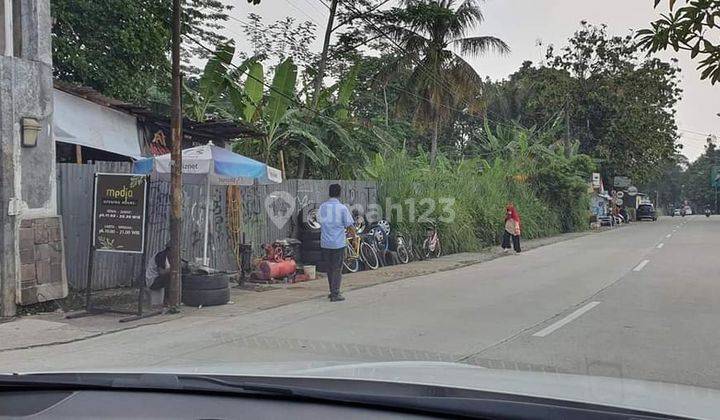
[(646, 212), (676, 212)]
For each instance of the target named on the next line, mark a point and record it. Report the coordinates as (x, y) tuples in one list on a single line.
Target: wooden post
[(175, 286), (282, 165), (78, 154)]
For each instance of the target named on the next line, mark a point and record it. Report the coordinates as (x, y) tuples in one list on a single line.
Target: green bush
[(480, 191)]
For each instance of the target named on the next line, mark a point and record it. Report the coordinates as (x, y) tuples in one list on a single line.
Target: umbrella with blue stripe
[(211, 165)]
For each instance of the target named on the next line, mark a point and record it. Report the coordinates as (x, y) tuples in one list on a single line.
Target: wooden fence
[(266, 213)]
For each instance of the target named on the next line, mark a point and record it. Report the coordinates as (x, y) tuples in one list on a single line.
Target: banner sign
[(621, 182), (715, 176), (119, 213)]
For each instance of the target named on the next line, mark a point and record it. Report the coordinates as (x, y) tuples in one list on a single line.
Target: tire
[(427, 252), (204, 281), (438, 249), (403, 254), (351, 265), (426, 249), (369, 256), (312, 244), (308, 226), (309, 236), (211, 297), (310, 255)]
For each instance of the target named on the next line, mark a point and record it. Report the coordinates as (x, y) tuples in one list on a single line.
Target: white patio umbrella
[(211, 165)]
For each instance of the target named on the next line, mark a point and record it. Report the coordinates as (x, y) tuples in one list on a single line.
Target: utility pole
[(323, 56), (175, 285), (317, 85)]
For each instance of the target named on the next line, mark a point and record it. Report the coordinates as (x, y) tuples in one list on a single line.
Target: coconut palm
[(434, 37)]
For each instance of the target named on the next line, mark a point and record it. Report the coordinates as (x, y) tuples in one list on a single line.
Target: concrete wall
[(27, 175)]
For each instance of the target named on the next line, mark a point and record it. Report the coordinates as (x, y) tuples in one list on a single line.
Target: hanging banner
[(621, 182), (119, 213)]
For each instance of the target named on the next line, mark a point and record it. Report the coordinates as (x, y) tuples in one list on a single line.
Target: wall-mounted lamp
[(30, 131)]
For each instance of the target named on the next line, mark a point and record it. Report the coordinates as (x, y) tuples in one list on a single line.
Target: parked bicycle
[(431, 246), (358, 249), (402, 248), (386, 240)]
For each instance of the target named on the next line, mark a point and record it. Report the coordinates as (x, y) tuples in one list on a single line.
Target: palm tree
[(430, 32)]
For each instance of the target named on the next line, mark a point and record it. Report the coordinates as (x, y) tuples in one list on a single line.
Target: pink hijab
[(511, 213)]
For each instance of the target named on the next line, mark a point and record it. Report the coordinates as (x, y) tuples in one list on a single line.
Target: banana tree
[(204, 98), (286, 123)]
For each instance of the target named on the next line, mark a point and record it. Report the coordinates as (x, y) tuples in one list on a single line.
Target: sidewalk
[(53, 328)]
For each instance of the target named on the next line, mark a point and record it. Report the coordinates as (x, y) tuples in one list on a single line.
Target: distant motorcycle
[(707, 212)]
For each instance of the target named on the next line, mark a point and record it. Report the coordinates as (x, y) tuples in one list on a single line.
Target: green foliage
[(696, 179), (527, 168), (430, 32), (667, 187), (122, 47), (201, 101), (619, 106), (695, 28), (253, 91), (281, 94), (477, 190)]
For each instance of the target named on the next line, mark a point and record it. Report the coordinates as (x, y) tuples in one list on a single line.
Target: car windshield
[(271, 186)]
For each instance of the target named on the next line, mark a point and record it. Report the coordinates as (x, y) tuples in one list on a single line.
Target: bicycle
[(358, 249), (431, 246), (385, 240), (402, 249)]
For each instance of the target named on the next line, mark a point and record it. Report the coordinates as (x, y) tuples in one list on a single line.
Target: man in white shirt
[(157, 272)]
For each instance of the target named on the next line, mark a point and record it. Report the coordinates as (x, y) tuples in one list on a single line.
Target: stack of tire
[(205, 289), (310, 253)]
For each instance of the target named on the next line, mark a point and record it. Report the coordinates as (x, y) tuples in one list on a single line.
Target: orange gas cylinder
[(275, 270)]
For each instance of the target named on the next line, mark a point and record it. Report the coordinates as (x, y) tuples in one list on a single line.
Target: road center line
[(660, 245), (574, 315), (668, 235), (642, 265)]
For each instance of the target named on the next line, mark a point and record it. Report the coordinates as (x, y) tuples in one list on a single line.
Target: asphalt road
[(642, 301)]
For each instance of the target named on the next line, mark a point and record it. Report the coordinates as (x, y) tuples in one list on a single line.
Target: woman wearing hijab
[(512, 228)]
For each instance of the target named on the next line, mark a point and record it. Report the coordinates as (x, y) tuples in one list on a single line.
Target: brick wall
[(42, 260)]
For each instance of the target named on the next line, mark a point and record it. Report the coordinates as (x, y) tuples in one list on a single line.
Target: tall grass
[(478, 191)]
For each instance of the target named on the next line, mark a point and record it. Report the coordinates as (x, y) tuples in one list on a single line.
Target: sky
[(524, 24)]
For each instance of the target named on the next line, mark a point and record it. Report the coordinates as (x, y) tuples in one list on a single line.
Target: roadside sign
[(715, 176), (596, 180), (620, 194), (119, 213), (621, 182), (632, 191)]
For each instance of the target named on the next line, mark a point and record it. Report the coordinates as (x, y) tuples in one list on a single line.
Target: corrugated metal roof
[(213, 128)]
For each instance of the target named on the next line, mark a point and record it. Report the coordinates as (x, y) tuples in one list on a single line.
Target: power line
[(694, 132), (302, 11), (290, 98)]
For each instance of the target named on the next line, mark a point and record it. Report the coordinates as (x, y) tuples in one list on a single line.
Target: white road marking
[(668, 235), (574, 315), (642, 265), (660, 245)]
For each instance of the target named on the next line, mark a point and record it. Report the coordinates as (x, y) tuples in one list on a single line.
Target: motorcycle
[(707, 212)]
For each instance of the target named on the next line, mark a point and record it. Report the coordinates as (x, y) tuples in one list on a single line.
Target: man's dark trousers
[(333, 259)]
